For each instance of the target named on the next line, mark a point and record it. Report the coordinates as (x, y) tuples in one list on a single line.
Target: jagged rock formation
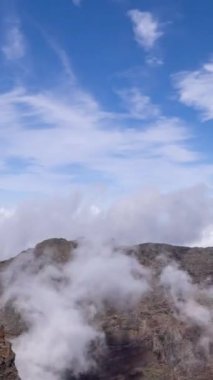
[(150, 342), (8, 370), (58, 250)]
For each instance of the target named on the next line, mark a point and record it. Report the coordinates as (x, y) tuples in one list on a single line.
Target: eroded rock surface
[(151, 341), (8, 369)]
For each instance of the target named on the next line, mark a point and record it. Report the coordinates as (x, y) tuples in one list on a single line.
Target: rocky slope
[(7, 359), (164, 337)]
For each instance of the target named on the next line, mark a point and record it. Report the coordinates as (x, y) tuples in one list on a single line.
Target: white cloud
[(60, 137), (77, 131), (178, 217), (195, 89), (147, 29), (5, 213), (61, 55), (138, 104), (15, 46), (154, 61)]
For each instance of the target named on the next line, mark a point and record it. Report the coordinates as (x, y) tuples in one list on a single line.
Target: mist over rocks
[(94, 310), (59, 289)]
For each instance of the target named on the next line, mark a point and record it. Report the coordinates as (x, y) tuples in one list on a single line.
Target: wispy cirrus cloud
[(67, 138), (195, 89), (58, 136), (139, 105), (60, 54), (14, 46), (146, 27)]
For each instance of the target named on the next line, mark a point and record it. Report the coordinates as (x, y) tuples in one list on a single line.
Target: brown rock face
[(8, 370), (149, 342), (58, 250)]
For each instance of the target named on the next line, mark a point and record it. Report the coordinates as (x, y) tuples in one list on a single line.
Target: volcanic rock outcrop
[(8, 370), (163, 338)]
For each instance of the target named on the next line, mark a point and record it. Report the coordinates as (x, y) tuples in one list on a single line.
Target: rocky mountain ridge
[(159, 339)]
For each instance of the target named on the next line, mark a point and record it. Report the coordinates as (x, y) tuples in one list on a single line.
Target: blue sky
[(110, 93)]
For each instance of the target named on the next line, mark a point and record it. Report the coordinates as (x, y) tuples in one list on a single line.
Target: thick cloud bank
[(181, 217)]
